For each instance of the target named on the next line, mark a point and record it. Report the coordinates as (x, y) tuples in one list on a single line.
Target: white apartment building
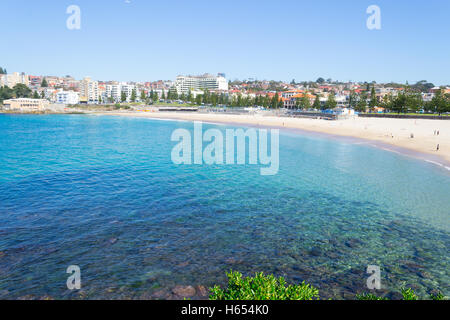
[(115, 91), (89, 92), (67, 97), (128, 90), (207, 81), (10, 80)]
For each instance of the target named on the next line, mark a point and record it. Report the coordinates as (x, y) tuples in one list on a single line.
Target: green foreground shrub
[(369, 296), (262, 287)]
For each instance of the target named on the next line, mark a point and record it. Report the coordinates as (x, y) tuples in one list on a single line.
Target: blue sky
[(146, 40)]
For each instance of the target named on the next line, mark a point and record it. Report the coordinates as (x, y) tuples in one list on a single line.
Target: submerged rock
[(315, 252), (160, 294), (184, 291), (233, 261), (202, 291), (113, 240), (183, 264), (353, 243)]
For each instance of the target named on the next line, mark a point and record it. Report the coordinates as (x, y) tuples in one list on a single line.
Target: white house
[(67, 97)]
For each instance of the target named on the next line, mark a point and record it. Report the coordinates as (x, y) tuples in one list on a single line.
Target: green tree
[(266, 101), (198, 99), (414, 101), (214, 99), (298, 103), (123, 97), (189, 96), (152, 96), (275, 100), (316, 104), (361, 106), (44, 83), (331, 101), (387, 102), (35, 95), (304, 102), (399, 103), (353, 100), (2, 71), (143, 95), (133, 95), (373, 99), (22, 91), (439, 103), (6, 93)]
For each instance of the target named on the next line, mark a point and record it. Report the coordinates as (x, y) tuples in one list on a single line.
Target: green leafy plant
[(268, 287), (369, 296), (262, 287), (437, 296), (408, 294)]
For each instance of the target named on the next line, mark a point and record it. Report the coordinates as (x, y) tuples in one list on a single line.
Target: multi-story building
[(70, 83), (34, 81), (89, 91), (25, 104), (207, 81), (67, 97), (128, 90), (10, 80), (113, 92)]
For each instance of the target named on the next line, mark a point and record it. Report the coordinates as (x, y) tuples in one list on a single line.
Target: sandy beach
[(383, 132)]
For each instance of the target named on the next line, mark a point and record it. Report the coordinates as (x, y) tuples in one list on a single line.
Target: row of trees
[(215, 99), (239, 100), (3, 71), (406, 101), (18, 91)]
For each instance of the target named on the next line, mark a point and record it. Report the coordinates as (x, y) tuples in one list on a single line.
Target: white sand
[(376, 129)]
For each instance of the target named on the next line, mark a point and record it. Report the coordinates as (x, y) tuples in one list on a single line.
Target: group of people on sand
[(436, 133)]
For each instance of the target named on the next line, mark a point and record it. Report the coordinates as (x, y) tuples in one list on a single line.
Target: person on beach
[(437, 148)]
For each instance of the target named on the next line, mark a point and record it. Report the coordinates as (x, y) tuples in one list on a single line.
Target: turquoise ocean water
[(102, 192)]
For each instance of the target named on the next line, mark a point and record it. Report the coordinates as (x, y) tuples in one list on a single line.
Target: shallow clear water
[(102, 193)]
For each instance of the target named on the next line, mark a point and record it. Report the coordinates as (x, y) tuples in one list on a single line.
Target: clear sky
[(146, 40)]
